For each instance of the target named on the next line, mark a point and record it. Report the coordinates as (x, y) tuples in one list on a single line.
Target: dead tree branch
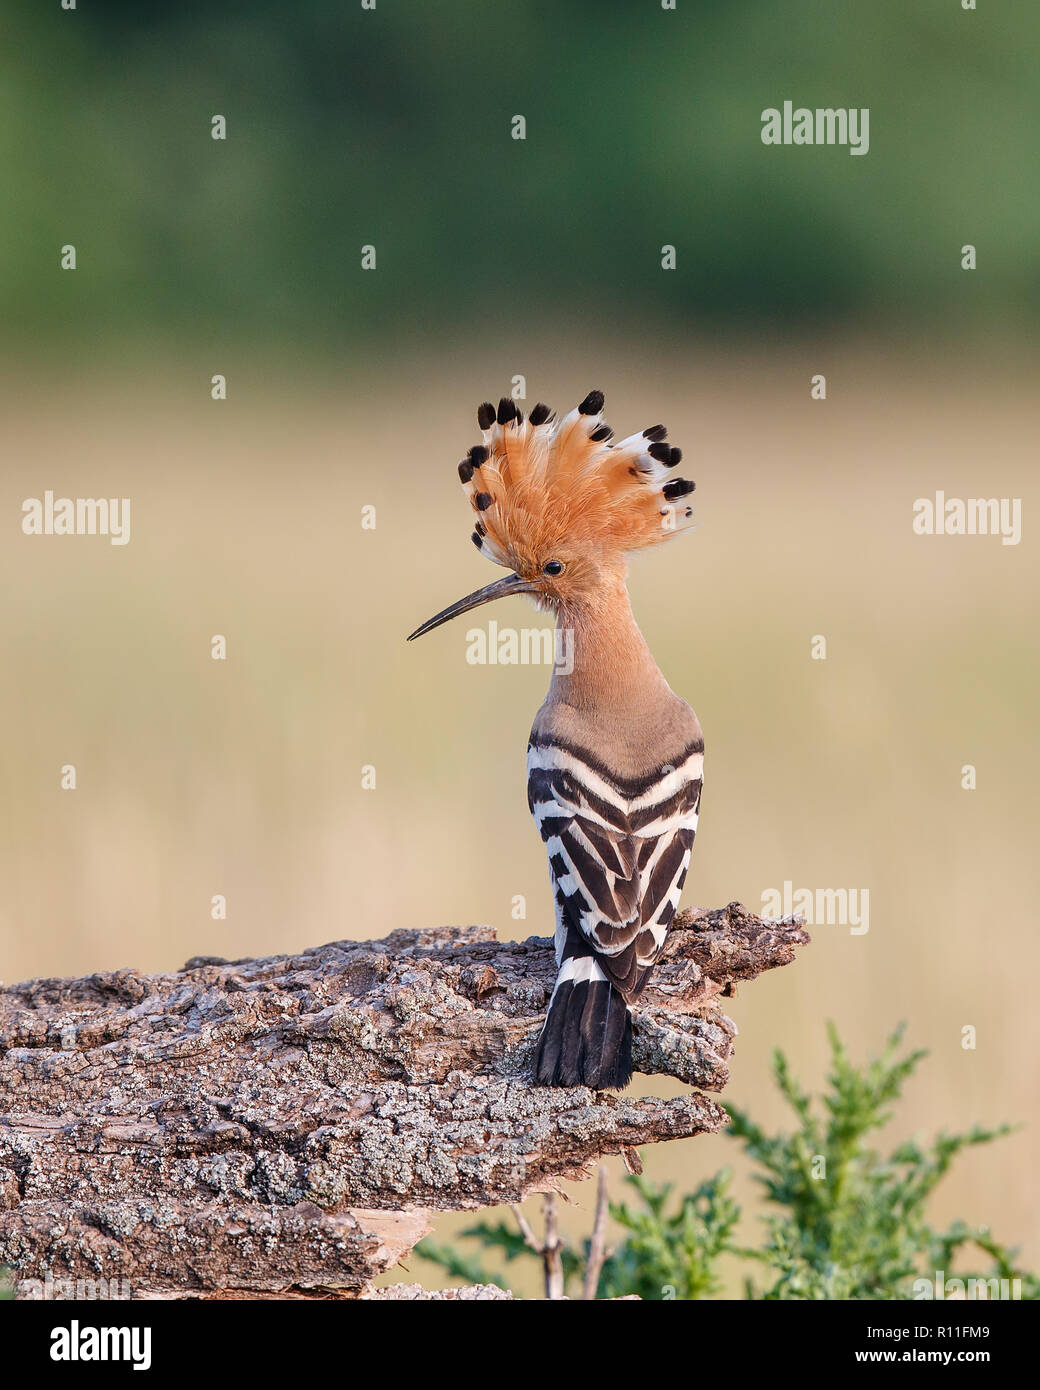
[(288, 1124)]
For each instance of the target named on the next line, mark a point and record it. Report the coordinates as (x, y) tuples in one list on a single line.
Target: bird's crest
[(537, 482)]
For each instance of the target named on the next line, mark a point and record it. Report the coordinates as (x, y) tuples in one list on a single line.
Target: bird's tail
[(587, 1036)]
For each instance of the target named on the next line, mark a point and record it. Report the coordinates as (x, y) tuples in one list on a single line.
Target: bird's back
[(615, 794), (637, 740)]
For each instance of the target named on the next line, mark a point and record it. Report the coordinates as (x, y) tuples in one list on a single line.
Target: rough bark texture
[(287, 1124)]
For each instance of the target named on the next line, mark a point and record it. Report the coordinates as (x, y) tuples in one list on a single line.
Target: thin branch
[(597, 1244), (530, 1239), (553, 1250)]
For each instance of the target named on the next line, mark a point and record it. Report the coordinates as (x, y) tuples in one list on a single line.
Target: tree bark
[(287, 1125)]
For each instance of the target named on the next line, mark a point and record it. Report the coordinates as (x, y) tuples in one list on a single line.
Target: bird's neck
[(611, 665)]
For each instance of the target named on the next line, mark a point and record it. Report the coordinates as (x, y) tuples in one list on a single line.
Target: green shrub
[(846, 1220)]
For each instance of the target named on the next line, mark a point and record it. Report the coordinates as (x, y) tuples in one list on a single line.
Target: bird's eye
[(553, 567)]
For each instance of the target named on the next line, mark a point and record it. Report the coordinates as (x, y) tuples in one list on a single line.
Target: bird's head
[(559, 504)]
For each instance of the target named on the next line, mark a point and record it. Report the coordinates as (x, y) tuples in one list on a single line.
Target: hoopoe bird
[(615, 758)]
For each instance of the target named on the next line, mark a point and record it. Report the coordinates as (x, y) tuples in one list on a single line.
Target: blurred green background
[(346, 388), (392, 127)]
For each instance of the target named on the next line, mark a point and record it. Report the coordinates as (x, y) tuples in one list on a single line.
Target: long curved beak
[(512, 584)]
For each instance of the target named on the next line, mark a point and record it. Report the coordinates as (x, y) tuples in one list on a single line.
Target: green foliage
[(847, 1222), (6, 1283), (457, 1263), (345, 127), (671, 1256), (852, 1222), (504, 1239)]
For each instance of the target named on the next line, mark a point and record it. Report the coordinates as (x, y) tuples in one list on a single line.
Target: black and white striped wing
[(618, 853)]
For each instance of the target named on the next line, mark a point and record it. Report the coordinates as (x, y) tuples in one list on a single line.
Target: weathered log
[(289, 1123), (413, 1292)]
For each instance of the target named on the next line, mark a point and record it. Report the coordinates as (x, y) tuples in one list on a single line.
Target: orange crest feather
[(537, 485)]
